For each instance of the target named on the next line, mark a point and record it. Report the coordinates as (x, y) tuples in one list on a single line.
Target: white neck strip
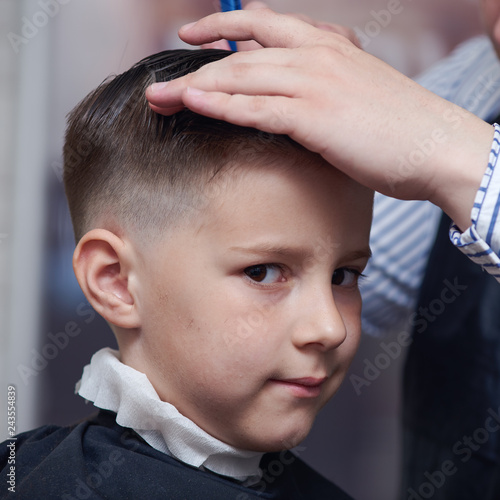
[(113, 386)]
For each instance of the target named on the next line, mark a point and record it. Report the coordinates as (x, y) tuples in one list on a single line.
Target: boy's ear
[(102, 263)]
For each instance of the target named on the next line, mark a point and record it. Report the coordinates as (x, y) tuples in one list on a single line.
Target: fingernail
[(193, 91), (156, 87), (187, 27)]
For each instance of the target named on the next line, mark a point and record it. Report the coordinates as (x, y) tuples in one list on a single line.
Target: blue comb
[(227, 6)]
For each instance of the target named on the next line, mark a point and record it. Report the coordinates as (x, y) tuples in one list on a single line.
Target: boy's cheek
[(254, 321), (249, 340), (349, 305)]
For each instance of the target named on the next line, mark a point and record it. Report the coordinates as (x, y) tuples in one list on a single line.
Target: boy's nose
[(319, 322)]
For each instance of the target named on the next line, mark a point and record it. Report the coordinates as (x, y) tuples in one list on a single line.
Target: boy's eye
[(264, 273), (345, 277)]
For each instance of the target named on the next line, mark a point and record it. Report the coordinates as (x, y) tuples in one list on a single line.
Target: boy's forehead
[(286, 195), (296, 169), (251, 169)]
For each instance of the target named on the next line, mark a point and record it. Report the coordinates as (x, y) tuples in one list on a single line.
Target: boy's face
[(251, 312)]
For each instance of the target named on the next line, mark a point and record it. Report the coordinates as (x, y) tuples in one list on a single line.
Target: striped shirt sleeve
[(481, 242)]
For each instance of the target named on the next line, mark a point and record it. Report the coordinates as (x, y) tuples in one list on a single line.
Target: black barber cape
[(452, 372), (98, 459)]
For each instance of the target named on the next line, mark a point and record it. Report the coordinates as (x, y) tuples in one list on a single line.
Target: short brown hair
[(126, 163)]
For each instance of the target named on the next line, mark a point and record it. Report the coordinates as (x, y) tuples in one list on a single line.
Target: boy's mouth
[(306, 387)]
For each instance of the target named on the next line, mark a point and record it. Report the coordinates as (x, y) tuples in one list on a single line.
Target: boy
[(412, 145), (226, 262)]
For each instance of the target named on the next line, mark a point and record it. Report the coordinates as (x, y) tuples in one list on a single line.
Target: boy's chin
[(279, 440)]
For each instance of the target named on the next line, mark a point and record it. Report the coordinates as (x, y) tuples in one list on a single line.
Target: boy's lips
[(305, 387)]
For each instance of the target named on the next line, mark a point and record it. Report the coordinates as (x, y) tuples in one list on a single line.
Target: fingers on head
[(262, 25)]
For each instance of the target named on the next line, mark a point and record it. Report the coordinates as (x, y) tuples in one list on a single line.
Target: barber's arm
[(359, 113)]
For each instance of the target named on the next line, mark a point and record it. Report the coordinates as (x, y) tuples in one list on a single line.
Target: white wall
[(23, 170)]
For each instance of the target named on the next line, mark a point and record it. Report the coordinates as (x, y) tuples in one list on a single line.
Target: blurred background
[(52, 53)]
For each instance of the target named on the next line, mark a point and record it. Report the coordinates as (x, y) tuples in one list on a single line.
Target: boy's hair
[(128, 166)]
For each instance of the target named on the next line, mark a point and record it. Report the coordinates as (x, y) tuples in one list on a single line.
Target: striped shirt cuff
[(481, 242)]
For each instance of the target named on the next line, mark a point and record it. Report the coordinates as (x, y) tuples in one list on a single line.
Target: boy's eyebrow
[(269, 249), (359, 254), (300, 252)]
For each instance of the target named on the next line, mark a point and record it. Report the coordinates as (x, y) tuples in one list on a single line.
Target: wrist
[(460, 168)]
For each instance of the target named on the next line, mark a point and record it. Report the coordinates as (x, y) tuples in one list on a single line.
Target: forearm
[(460, 164)]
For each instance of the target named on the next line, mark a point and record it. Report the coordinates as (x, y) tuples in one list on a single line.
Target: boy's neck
[(112, 385)]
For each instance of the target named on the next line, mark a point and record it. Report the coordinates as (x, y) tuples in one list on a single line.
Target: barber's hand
[(361, 115), (246, 45)]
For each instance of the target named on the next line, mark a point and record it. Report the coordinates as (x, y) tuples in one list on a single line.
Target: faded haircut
[(128, 167)]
